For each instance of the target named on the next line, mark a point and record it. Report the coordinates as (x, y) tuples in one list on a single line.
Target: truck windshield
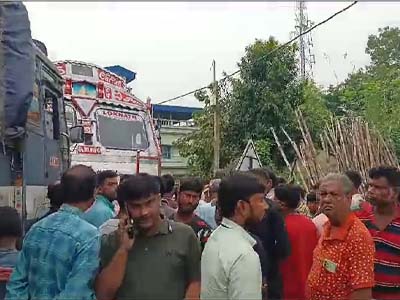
[(121, 130)]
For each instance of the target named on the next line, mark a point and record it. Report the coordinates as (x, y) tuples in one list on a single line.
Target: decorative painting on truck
[(84, 89), (34, 108), (110, 78), (117, 125)]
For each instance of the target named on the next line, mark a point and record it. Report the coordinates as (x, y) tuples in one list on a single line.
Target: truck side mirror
[(76, 134)]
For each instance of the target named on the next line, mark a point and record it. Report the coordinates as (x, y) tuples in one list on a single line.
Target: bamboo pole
[(298, 153), (280, 148), (352, 142)]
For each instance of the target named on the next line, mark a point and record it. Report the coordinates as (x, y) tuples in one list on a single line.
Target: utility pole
[(307, 59), (216, 122), (302, 27)]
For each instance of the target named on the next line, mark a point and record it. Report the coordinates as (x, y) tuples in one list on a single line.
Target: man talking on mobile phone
[(148, 257)]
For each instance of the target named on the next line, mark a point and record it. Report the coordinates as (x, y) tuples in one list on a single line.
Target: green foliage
[(263, 97), (268, 91), (348, 97), (384, 48), (314, 109), (197, 147), (374, 92), (264, 148)]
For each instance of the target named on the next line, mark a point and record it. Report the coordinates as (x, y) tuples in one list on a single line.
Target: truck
[(53, 116), (119, 133), (34, 138)]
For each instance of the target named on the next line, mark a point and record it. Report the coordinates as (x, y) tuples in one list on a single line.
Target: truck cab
[(119, 133), (34, 139)]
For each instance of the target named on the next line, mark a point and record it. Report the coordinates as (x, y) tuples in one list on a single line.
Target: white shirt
[(319, 222), (109, 226), (206, 211), (271, 194), (230, 268), (356, 202)]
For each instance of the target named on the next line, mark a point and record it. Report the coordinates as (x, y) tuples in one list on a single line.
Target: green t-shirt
[(160, 266)]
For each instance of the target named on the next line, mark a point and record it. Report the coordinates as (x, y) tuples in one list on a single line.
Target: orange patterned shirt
[(343, 262)]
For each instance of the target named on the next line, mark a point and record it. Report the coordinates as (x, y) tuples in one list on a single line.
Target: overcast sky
[(171, 45)]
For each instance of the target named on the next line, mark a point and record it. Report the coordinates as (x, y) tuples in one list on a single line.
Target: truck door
[(53, 160), (42, 161)]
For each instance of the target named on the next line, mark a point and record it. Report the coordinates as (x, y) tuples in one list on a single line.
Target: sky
[(171, 45)]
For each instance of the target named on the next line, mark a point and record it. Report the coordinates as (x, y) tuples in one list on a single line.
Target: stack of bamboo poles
[(350, 142)]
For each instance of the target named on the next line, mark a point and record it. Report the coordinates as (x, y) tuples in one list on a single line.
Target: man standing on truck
[(104, 208)]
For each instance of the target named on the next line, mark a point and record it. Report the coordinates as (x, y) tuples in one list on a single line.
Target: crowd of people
[(247, 236)]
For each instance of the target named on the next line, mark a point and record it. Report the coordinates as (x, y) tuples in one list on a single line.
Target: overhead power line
[(268, 54), (183, 95)]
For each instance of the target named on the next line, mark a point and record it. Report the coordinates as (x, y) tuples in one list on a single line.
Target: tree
[(197, 147), (348, 98), (268, 91), (314, 109), (264, 96), (384, 48), (374, 92)]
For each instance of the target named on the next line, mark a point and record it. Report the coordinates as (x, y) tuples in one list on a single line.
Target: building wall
[(172, 162)]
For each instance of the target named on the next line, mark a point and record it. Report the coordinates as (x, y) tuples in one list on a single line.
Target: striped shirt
[(387, 255)]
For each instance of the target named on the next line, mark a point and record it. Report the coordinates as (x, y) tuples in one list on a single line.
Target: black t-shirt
[(262, 254), (272, 232), (200, 228)]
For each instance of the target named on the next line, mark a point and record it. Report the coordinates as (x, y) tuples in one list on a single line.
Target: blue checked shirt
[(59, 259)]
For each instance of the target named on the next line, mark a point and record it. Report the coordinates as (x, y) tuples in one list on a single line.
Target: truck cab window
[(88, 139), (52, 123), (70, 115)]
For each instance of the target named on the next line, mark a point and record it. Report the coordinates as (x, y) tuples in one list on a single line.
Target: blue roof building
[(174, 122), (174, 112)]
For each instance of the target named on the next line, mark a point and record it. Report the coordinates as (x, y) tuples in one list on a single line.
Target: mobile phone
[(132, 229)]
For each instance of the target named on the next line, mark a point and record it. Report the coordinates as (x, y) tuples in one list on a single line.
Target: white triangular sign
[(249, 159), (85, 105)]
